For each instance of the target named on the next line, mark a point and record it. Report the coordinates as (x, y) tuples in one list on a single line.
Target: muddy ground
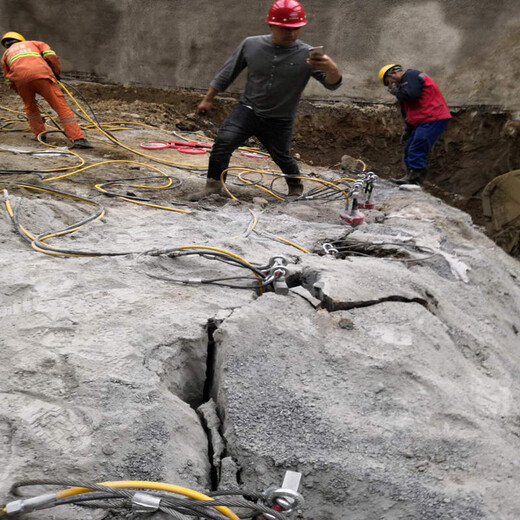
[(481, 142)]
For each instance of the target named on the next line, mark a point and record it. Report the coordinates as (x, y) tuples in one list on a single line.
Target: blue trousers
[(421, 142), (243, 123)]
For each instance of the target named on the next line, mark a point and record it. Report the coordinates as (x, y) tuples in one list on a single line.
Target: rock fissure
[(208, 412), (334, 305)]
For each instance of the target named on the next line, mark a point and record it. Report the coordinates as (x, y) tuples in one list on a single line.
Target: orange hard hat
[(286, 13)]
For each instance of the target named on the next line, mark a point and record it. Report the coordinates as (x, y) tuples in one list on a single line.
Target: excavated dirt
[(480, 143)]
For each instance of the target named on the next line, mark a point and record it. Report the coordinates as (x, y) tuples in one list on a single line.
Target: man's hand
[(207, 102), (326, 64), (204, 107), (322, 62), (393, 88)]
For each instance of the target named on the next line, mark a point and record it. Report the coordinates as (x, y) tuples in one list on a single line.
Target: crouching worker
[(279, 66), (426, 116), (30, 68)]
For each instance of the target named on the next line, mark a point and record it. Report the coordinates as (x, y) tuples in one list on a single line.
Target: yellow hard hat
[(385, 69), (12, 36)]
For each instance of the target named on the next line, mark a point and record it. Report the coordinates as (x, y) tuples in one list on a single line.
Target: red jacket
[(421, 99), (26, 61)]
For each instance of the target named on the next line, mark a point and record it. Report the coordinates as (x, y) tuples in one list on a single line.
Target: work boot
[(212, 186), (81, 143), (418, 176), (295, 187), (411, 177)]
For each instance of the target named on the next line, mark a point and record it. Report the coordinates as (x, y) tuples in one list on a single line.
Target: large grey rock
[(403, 406)]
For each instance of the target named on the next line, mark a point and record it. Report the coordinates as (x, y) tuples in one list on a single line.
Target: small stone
[(379, 388), (108, 450), (260, 202), (346, 323)]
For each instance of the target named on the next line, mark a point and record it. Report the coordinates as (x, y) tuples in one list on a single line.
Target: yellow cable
[(281, 239), (211, 248), (113, 161), (159, 486), (197, 166), (11, 110)]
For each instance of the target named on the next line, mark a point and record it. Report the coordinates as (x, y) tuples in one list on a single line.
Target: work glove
[(393, 88), (407, 133)]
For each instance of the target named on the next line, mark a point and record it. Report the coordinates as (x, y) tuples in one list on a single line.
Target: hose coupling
[(145, 503), (30, 504), (286, 498), (278, 271)]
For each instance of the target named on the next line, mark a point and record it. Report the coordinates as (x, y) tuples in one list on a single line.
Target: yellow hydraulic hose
[(108, 136), (245, 181), (312, 179), (281, 239), (113, 161), (217, 249), (47, 236), (116, 161), (11, 110), (158, 486)]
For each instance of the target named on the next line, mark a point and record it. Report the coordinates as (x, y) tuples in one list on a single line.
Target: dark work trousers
[(421, 142), (241, 124)]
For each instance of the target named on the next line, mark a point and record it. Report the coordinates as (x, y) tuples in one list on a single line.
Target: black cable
[(78, 92), (23, 172)]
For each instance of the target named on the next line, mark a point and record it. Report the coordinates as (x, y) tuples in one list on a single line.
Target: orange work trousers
[(52, 93)]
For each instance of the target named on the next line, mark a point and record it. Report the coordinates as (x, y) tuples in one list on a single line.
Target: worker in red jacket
[(425, 112), (30, 68)]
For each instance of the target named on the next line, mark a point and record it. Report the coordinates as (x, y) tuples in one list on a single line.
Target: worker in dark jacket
[(279, 66), (425, 112), (30, 68)]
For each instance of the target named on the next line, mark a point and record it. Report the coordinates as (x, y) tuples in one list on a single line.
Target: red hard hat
[(287, 13)]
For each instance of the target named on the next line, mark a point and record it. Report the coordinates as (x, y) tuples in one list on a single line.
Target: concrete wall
[(470, 47)]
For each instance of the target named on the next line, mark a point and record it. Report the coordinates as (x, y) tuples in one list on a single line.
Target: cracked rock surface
[(388, 376)]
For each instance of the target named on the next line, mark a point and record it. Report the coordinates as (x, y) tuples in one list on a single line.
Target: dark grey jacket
[(276, 75)]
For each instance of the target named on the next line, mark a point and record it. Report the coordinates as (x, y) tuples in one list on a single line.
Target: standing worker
[(279, 67), (30, 68), (426, 116)]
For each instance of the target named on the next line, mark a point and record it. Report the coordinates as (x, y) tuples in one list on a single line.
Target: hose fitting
[(30, 504)]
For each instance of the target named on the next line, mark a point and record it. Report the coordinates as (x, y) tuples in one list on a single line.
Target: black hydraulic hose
[(23, 172)]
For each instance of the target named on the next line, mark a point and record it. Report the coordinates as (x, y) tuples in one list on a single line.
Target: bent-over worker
[(30, 68)]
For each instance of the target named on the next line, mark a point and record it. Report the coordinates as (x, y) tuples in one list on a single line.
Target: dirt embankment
[(480, 143)]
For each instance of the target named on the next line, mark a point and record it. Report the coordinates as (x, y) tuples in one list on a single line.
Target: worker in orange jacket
[(30, 68)]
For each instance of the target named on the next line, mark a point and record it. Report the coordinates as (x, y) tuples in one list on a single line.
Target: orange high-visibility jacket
[(26, 61)]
